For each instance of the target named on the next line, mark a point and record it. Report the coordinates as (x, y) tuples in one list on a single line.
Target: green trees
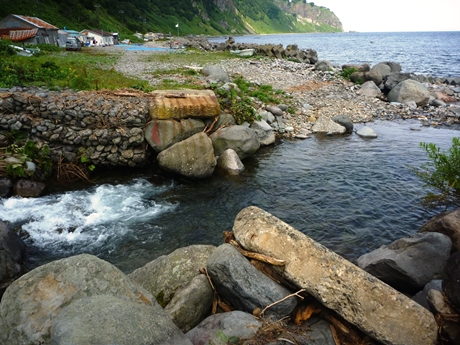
[(441, 173)]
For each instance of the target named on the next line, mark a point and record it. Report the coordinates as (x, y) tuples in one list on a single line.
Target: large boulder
[(245, 287), (219, 329), (323, 65), (106, 320), (345, 121), (12, 255), (447, 223), (409, 91), (161, 134), (229, 163), (449, 328), (393, 79), (215, 73), (6, 186), (376, 308), (362, 77), (31, 303), (451, 279), (408, 264), (382, 68), (326, 125), (192, 304), (192, 157), (163, 276), (28, 188), (421, 297), (369, 89), (264, 132), (243, 140)]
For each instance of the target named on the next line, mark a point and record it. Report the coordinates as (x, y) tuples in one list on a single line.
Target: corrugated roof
[(36, 22)]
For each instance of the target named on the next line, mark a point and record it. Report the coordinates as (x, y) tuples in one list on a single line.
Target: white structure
[(97, 38)]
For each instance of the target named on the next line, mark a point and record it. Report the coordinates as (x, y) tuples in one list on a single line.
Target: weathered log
[(376, 308)]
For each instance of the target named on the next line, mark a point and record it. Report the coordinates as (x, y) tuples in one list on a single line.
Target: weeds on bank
[(84, 70)]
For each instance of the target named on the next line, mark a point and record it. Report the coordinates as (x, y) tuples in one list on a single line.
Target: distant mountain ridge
[(209, 17)]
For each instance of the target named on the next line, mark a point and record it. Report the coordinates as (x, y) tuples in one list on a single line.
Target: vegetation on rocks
[(441, 173)]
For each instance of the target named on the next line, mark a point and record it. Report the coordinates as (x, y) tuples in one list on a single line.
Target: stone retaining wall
[(106, 125)]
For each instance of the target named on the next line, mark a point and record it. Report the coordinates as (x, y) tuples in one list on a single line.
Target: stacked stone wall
[(107, 126)]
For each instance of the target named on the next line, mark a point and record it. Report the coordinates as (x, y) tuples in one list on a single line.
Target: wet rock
[(366, 132), (325, 125), (218, 329), (28, 188), (230, 163), (108, 319), (244, 141), (359, 298), (168, 273), (12, 256), (408, 264), (32, 302), (192, 157), (344, 121), (6, 187), (245, 287), (447, 223)]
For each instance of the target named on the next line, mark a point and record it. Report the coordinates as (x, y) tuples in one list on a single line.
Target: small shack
[(24, 29), (97, 38)]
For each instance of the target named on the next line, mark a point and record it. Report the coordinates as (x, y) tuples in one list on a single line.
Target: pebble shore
[(314, 93)]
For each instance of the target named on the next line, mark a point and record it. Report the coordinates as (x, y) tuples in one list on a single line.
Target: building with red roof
[(26, 29)]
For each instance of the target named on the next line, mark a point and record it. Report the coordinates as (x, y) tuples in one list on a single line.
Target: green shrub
[(5, 49), (347, 72), (441, 173)]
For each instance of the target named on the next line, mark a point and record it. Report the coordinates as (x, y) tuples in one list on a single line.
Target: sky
[(395, 15)]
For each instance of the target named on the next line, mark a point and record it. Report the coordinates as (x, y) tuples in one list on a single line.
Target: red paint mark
[(155, 133)]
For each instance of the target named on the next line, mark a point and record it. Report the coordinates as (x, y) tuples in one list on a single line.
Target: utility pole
[(122, 17)]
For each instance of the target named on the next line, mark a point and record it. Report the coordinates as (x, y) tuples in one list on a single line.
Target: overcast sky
[(396, 15)]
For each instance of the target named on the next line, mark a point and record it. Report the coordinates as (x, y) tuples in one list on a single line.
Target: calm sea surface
[(436, 53), (351, 195)]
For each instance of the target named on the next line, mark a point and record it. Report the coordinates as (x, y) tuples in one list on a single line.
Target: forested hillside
[(210, 17)]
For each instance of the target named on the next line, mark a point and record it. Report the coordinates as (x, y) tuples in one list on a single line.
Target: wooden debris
[(257, 256)]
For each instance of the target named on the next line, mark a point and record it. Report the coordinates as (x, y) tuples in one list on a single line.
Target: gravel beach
[(314, 93)]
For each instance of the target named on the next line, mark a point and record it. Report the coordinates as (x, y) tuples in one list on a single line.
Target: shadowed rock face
[(374, 307)]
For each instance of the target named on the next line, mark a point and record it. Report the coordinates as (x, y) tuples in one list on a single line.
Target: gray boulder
[(447, 223), (192, 157), (264, 132), (215, 73), (394, 66), (345, 121), (192, 304), (267, 116), (369, 89), (323, 65), (219, 329), (366, 132), (223, 120), (409, 90), (230, 163), (362, 77), (107, 320), (449, 329), (393, 79), (244, 141), (31, 302), (163, 276), (359, 68), (382, 68), (408, 264), (326, 125), (6, 186), (28, 189), (274, 110), (245, 287), (12, 255), (161, 134), (451, 279), (421, 297)]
